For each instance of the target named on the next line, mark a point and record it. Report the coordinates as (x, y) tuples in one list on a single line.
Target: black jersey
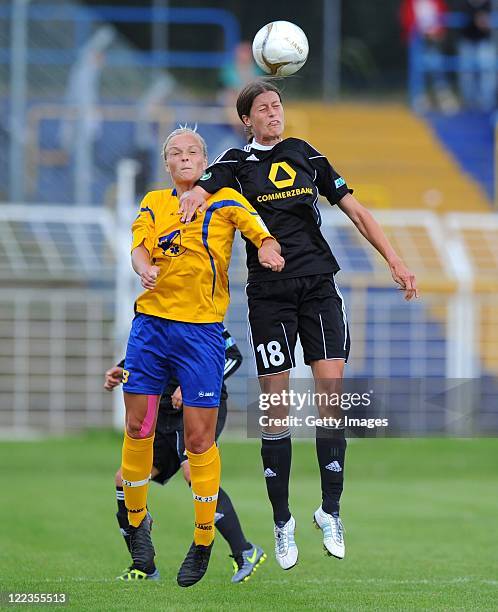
[(282, 183)]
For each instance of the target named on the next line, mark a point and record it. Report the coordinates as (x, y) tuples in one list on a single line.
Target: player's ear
[(246, 120)]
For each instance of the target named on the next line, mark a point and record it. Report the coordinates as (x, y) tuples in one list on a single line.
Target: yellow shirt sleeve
[(143, 228), (246, 219)]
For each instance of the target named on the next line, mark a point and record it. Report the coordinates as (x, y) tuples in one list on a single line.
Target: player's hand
[(404, 278), (190, 203), (113, 378), (148, 277), (269, 256), (176, 399)]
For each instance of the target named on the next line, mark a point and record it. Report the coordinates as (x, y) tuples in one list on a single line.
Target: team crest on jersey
[(282, 175), (171, 244)]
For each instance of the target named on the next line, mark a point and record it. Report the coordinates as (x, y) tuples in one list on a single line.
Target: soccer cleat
[(246, 563), (142, 550), (286, 552), (194, 565), (124, 524), (333, 532), (132, 573)]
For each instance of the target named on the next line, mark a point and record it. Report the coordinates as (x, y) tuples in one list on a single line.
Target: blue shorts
[(192, 352)]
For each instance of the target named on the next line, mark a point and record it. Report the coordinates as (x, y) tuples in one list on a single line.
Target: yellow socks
[(205, 471), (136, 468)]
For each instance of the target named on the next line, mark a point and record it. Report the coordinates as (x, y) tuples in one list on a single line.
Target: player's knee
[(197, 442), (332, 385), (134, 427), (275, 383), (118, 478)]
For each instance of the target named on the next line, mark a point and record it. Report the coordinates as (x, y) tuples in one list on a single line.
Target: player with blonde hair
[(178, 331)]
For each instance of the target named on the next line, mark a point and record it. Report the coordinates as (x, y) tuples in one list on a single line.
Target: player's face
[(266, 117), (185, 159)]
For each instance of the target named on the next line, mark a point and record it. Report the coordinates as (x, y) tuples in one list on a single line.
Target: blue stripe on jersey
[(205, 227), (147, 209)]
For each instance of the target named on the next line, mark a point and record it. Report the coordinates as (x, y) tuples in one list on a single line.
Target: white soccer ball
[(280, 48)]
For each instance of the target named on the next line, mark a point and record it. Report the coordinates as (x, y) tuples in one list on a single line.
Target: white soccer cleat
[(333, 533), (285, 546)]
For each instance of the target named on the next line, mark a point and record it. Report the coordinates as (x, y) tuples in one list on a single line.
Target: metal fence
[(61, 61), (67, 293)]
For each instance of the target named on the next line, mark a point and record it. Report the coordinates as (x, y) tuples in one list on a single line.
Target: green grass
[(420, 517)]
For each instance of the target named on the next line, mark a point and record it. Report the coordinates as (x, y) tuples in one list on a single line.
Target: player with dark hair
[(177, 331), (169, 458), (283, 178)]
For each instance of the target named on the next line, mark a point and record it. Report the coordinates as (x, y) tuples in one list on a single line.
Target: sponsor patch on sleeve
[(339, 182)]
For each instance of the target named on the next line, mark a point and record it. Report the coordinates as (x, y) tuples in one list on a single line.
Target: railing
[(84, 20), (70, 53), (67, 292), (132, 129)]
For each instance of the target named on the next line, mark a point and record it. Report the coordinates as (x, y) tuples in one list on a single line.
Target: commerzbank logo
[(282, 175)]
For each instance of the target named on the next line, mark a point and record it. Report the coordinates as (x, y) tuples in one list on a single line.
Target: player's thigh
[(272, 325), (141, 414), (323, 325), (199, 424)]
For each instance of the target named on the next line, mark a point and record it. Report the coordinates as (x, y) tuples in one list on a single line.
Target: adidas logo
[(334, 467), (269, 473), (252, 157)]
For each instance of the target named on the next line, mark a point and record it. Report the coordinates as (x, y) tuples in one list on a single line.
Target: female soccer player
[(178, 331), (282, 179), (169, 458)]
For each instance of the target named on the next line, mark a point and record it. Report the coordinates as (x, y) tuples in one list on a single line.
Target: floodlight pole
[(160, 37), (494, 38), (331, 74), (125, 291), (18, 81)]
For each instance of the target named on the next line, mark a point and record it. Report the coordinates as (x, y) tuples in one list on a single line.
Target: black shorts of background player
[(169, 457), (282, 179)]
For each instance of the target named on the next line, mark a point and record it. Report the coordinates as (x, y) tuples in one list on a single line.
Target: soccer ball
[(280, 48)]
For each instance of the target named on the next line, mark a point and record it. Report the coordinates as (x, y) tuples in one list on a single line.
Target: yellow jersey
[(192, 285)]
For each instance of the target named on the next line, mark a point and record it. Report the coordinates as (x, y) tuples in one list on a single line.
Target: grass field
[(420, 516)]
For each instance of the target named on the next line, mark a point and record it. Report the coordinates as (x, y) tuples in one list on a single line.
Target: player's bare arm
[(371, 230), (177, 399), (113, 378), (148, 273), (269, 255), (191, 201)]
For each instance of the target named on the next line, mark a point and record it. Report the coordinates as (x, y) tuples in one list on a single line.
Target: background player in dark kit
[(282, 178)]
